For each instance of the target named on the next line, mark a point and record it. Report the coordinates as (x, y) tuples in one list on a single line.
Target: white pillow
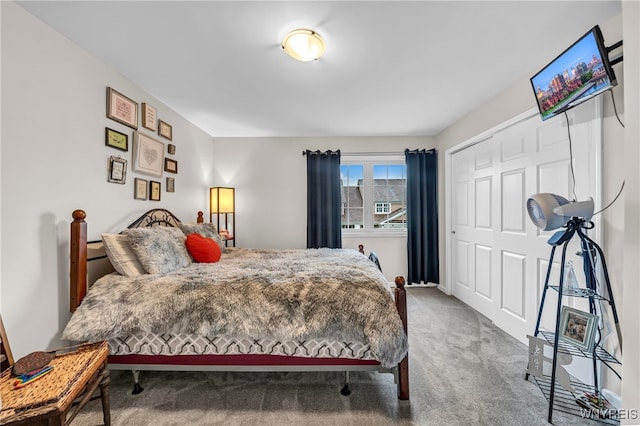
[(121, 255)]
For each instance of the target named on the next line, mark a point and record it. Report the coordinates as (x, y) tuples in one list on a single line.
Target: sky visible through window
[(391, 171), (351, 173)]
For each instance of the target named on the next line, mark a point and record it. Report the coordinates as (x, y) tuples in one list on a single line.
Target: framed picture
[(171, 149), (149, 117), (140, 189), (165, 130), (171, 185), (148, 155), (117, 170), (154, 190), (122, 109), (115, 139), (578, 327), (170, 165)]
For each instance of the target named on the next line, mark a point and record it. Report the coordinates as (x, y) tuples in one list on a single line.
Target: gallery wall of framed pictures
[(150, 155)]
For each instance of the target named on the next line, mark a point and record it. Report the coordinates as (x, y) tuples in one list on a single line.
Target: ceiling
[(392, 68)]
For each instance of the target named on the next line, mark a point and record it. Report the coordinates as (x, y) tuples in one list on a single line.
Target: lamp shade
[(222, 200), (303, 45), (551, 211)]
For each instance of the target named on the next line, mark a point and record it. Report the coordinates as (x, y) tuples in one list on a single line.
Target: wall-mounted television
[(579, 73)]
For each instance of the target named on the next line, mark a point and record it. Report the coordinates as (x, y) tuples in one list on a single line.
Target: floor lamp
[(222, 204)]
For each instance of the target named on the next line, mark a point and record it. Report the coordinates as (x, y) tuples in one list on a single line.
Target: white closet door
[(498, 258)]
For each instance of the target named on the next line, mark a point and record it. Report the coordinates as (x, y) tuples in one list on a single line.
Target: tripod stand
[(590, 253)]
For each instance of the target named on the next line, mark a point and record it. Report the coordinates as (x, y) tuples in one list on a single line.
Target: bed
[(251, 310)]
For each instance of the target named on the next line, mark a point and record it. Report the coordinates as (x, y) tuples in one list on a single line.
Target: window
[(382, 208), (351, 192), (373, 191)]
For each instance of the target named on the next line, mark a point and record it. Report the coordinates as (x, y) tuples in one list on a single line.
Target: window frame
[(368, 161)]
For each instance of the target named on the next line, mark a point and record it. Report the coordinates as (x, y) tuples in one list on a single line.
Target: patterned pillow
[(121, 255), (205, 229), (160, 250)]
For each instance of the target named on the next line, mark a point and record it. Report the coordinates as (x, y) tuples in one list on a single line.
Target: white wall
[(54, 161), (0, 166), (630, 162), (269, 175)]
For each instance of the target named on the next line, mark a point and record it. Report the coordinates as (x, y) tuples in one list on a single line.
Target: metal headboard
[(96, 255), (156, 217)]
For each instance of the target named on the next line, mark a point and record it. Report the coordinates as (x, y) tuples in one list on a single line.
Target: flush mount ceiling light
[(303, 45)]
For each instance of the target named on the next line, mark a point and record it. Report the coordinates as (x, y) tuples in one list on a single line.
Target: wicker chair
[(6, 357), (78, 377)]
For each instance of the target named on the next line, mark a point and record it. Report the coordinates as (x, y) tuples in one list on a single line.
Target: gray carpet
[(463, 371)]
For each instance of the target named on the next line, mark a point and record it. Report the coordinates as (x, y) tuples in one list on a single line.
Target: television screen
[(577, 74)]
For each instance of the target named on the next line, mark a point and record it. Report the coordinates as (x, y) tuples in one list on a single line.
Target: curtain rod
[(372, 153), (366, 153)]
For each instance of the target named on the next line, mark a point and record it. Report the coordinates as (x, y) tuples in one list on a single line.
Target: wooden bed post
[(200, 218), (403, 366), (78, 265)]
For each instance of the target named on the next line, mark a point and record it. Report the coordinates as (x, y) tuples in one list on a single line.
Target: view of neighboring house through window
[(373, 194), (351, 192)]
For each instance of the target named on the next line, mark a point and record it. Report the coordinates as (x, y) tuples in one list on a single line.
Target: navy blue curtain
[(324, 227), (422, 216)]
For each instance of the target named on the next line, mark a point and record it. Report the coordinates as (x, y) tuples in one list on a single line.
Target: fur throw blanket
[(288, 295)]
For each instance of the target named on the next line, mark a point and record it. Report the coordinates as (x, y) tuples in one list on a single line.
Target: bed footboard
[(78, 259), (403, 366)]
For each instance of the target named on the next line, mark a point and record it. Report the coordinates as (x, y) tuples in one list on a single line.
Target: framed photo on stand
[(578, 328)]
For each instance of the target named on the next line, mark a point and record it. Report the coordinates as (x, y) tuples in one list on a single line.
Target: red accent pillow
[(203, 249)]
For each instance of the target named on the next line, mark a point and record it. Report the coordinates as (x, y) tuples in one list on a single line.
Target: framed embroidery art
[(165, 130), (117, 170), (170, 165), (140, 189), (149, 117), (121, 108), (116, 140), (154, 190), (148, 155)]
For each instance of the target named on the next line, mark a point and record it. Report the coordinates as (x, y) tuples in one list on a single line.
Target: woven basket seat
[(56, 391)]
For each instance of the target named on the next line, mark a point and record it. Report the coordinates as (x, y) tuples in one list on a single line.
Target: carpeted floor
[(463, 371)]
